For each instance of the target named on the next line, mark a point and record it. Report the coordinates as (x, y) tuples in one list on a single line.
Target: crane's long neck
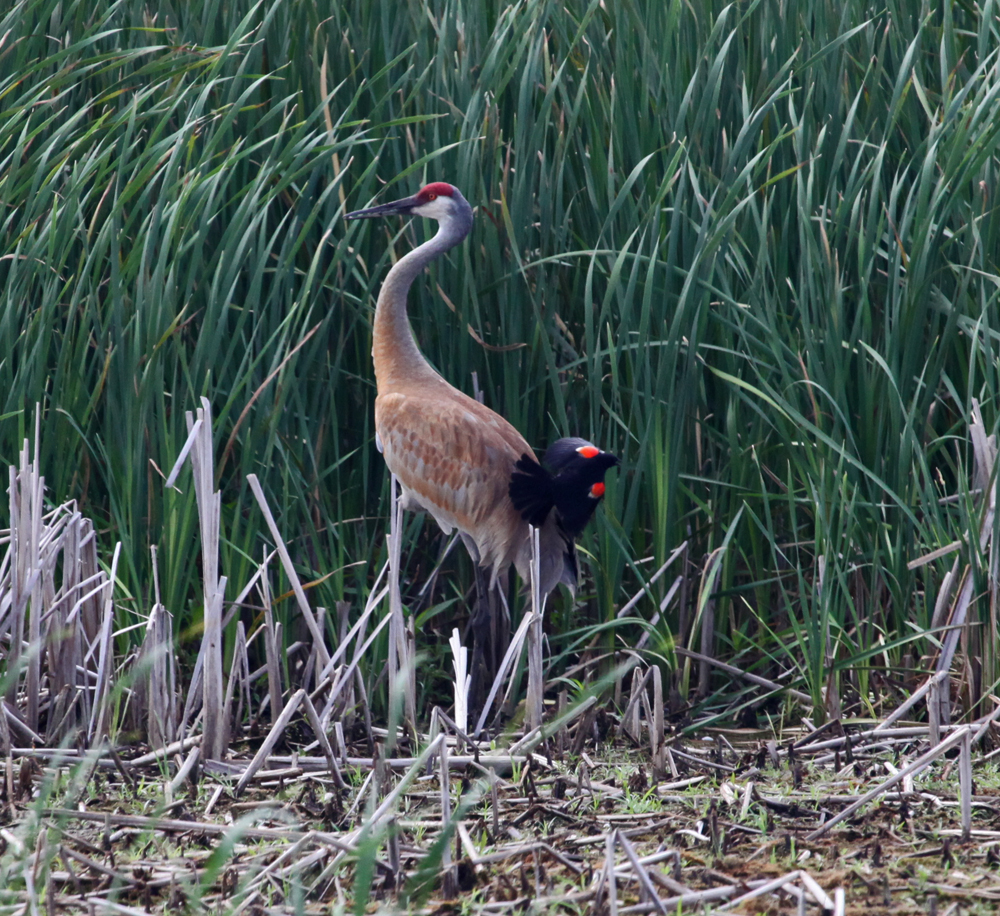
[(398, 360)]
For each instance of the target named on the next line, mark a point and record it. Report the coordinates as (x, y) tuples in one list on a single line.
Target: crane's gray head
[(439, 200)]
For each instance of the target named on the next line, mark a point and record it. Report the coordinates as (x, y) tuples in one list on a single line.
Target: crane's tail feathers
[(531, 491)]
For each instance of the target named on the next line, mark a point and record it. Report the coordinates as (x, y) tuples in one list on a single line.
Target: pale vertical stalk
[(401, 688), (159, 677), (100, 714), (209, 510), (34, 484), (536, 681), (609, 866), (707, 646), (270, 644), (236, 685), (934, 709), (396, 635), (17, 580), (656, 726), (965, 783), (634, 720), (463, 679)]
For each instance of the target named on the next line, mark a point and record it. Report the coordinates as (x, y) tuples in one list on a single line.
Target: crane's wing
[(454, 457)]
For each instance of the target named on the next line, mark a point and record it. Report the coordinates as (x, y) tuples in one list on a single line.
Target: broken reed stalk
[(609, 872), (52, 633), (706, 614), (513, 652), (100, 715), (536, 679), (32, 506), (157, 682), (198, 447), (965, 783), (286, 562), (270, 741), (399, 654), (271, 643), (463, 680)]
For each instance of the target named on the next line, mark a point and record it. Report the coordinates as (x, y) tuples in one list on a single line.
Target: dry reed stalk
[(48, 628), (156, 687), (675, 588), (238, 685), (706, 615), (631, 719), (208, 500), (286, 561), (324, 741), (765, 887), (187, 770), (611, 888), (463, 680), (270, 741), (657, 739), (402, 666), (533, 738), (351, 670), (965, 783), (513, 652), (641, 874), (100, 716), (271, 643), (634, 600), (912, 700), (534, 701), (811, 886)]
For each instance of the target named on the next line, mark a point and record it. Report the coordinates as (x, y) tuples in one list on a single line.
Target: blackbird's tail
[(531, 491)]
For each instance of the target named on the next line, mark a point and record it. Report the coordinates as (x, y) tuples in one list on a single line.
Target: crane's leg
[(485, 622)]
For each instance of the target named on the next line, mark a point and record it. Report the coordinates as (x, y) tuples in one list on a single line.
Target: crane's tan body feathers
[(452, 456)]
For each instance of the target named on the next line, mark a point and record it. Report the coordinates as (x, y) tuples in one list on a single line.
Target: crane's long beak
[(402, 207)]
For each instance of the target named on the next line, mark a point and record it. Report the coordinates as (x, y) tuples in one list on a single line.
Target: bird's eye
[(431, 197)]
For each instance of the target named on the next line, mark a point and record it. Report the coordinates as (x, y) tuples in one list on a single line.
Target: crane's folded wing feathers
[(454, 456)]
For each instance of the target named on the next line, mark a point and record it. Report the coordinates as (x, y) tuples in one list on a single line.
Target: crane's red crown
[(435, 189)]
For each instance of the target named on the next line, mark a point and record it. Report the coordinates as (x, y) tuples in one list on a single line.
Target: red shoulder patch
[(435, 189), (597, 491), (588, 451)]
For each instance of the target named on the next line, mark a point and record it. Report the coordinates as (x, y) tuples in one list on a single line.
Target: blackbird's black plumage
[(570, 480)]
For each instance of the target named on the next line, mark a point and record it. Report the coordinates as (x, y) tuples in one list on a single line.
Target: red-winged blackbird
[(570, 480)]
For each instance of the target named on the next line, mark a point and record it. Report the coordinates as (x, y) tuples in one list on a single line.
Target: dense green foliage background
[(752, 248)]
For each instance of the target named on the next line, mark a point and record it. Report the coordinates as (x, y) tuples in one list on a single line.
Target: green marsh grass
[(750, 248)]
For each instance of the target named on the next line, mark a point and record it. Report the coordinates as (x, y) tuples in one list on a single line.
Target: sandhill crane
[(456, 458)]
